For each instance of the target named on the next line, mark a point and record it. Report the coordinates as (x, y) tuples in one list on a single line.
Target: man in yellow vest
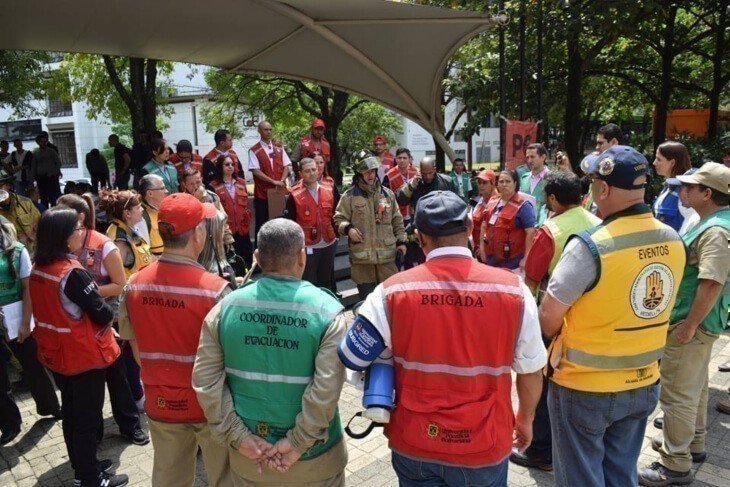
[(607, 310), (562, 197), (700, 314)]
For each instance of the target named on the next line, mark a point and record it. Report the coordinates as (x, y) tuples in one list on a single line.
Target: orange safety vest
[(212, 156), (92, 255), (66, 345), (477, 217), (239, 216), (311, 147), (195, 163), (504, 233), (315, 217), (396, 180), (274, 169), (453, 370), (167, 302), (387, 159)]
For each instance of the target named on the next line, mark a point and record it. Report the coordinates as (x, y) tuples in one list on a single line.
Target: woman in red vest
[(508, 225), (75, 339), (233, 194), (101, 258), (487, 189)]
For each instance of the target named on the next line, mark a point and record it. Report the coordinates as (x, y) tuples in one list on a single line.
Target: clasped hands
[(279, 456)]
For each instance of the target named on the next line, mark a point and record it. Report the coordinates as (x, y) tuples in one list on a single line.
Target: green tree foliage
[(22, 79)]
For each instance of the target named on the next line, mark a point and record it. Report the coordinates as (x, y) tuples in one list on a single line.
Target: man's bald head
[(428, 169), (265, 130)]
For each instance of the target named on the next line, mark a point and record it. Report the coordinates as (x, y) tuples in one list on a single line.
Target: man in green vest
[(461, 180), (563, 197), (533, 182), (699, 315), (267, 373)]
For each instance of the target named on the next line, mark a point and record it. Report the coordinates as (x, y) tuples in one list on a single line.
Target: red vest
[(311, 148), (396, 180), (239, 216), (212, 156), (274, 169), (504, 232), (477, 217), (195, 163), (314, 217), (167, 302), (453, 370), (387, 159), (66, 345), (92, 256)]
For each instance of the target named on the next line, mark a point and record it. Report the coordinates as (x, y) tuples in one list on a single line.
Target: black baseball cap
[(441, 213)]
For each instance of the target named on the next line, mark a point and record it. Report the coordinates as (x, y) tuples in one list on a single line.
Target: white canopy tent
[(393, 53)]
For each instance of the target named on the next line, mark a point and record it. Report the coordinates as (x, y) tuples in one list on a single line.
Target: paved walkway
[(39, 456)]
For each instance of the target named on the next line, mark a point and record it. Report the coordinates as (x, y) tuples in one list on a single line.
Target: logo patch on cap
[(605, 167)]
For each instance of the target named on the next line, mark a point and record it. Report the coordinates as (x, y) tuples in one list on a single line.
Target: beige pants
[(336, 481), (176, 447), (683, 398), (372, 273)]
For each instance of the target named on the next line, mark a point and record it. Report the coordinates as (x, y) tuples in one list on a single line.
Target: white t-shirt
[(253, 161), (530, 354), (108, 248), (25, 264)]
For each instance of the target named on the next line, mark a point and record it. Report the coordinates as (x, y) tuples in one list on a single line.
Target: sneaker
[(104, 465), (525, 460), (657, 475), (659, 422), (657, 441), (139, 437), (107, 480)]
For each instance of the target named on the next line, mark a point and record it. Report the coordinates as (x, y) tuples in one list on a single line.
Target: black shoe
[(657, 475), (525, 460), (9, 435), (104, 465), (107, 480), (139, 437), (656, 444), (659, 422)]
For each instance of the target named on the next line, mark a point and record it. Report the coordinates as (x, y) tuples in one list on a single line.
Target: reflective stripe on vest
[(452, 366), (272, 168), (270, 332), (239, 216), (504, 232), (315, 217), (615, 332), (396, 180), (140, 248), (52, 327), (186, 359), (574, 220), (157, 247)]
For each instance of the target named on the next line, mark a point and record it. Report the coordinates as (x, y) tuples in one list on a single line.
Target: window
[(58, 108), (20, 129), (66, 143)]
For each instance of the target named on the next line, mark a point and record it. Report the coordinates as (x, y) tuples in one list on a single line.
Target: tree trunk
[(661, 110), (440, 157), (574, 97), (717, 81)]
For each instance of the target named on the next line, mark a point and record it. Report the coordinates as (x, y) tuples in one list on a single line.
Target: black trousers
[(244, 249), (41, 386), (49, 189), (82, 400), (124, 409), (98, 180), (121, 181), (261, 214), (542, 438), (414, 255), (320, 266)]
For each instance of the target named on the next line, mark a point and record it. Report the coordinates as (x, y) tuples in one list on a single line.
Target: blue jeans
[(597, 436), (416, 473)]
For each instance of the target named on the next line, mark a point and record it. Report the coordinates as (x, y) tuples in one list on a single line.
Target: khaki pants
[(683, 398), (176, 447), (372, 273), (336, 481)]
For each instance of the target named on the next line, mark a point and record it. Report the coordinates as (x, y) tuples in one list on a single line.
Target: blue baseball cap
[(441, 213), (619, 166), (676, 182)]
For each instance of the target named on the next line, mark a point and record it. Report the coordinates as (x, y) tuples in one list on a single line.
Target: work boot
[(723, 405), (657, 475), (656, 445), (525, 460)]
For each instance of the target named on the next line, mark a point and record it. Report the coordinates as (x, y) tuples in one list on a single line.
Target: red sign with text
[(519, 135)]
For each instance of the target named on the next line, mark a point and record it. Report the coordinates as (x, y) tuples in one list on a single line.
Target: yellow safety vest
[(613, 335), (140, 249), (157, 247), (566, 224)]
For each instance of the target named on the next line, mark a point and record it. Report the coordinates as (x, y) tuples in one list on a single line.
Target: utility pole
[(502, 100)]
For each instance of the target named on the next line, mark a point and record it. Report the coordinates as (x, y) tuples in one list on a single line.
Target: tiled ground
[(39, 457)]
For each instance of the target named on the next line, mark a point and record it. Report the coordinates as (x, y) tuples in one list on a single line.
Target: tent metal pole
[(439, 137)]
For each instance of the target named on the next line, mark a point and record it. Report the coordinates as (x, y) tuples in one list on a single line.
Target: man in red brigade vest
[(223, 144), (312, 205), (270, 167), (161, 314), (453, 415), (185, 159), (396, 177), (311, 145), (380, 148)]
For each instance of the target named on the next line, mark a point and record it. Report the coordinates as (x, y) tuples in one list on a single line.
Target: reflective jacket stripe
[(167, 356), (51, 327), (638, 239), (452, 286), (45, 276), (453, 369), (188, 291), (612, 362), (286, 379), (279, 305)]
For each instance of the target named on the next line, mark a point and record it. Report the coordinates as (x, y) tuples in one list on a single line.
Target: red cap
[(487, 175), (380, 138), (183, 212), (317, 122)]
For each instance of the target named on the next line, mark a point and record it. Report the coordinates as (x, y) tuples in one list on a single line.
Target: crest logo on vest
[(262, 429), (652, 291), (433, 430), (160, 402)]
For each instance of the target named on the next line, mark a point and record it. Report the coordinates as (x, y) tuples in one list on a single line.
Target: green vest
[(270, 332), (566, 224), (538, 193), (716, 320), (466, 184), (11, 288)]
